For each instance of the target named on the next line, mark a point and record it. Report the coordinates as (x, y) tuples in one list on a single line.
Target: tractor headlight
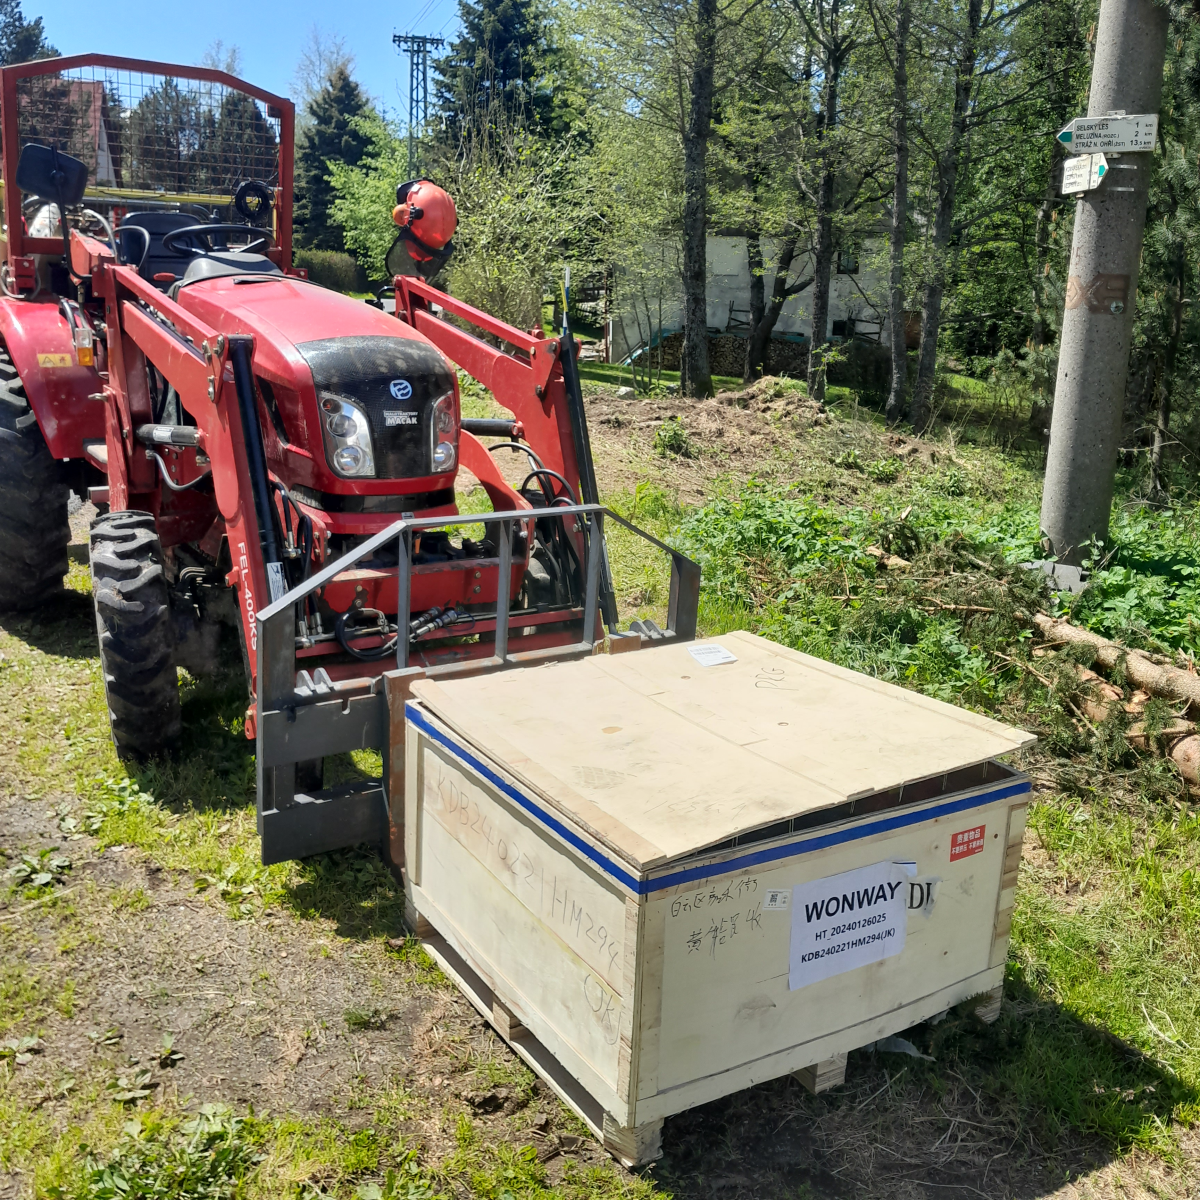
[(444, 431), (347, 436)]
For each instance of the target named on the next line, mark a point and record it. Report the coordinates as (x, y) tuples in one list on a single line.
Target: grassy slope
[(1107, 934)]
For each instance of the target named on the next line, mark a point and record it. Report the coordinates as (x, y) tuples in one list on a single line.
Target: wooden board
[(658, 756)]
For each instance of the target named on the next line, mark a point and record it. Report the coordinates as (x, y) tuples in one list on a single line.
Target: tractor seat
[(133, 233), (219, 263)]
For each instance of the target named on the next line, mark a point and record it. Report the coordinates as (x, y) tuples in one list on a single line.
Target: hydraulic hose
[(240, 347)]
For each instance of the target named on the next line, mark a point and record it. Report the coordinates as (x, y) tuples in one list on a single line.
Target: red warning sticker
[(966, 843)]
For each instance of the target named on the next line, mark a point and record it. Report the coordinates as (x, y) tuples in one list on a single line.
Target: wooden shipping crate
[(669, 875)]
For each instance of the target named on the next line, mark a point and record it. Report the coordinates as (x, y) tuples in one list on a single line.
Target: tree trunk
[(947, 167), (695, 378), (760, 335), (823, 248), (758, 304), (822, 270), (895, 403)]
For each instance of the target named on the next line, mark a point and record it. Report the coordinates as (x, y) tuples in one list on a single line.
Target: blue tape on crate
[(644, 887)]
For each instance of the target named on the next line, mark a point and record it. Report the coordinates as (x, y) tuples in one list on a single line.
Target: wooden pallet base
[(822, 1076), (632, 1147), (988, 1010)]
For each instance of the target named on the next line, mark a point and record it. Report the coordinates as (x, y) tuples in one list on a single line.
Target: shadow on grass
[(1010, 1109), (353, 888), (213, 768), (64, 627)]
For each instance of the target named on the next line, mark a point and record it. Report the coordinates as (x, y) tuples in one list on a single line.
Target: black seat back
[(156, 260)]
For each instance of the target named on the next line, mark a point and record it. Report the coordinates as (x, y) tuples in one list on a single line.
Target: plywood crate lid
[(660, 756)]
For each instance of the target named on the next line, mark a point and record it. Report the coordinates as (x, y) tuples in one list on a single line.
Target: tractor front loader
[(267, 454)]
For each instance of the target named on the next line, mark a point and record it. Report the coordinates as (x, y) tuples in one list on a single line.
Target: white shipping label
[(846, 921), (709, 654)]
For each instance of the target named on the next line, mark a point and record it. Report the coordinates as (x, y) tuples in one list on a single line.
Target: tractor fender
[(39, 341)]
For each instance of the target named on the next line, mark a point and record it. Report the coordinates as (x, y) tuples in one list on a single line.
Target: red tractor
[(264, 452)]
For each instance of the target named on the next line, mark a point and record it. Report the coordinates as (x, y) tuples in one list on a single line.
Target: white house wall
[(729, 298)]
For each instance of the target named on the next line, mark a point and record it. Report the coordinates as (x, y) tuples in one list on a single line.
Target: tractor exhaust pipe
[(240, 347)]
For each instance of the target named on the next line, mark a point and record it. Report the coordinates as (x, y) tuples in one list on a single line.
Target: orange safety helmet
[(427, 218)]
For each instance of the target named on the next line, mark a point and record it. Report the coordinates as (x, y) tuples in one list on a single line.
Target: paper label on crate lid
[(709, 654), (847, 921)]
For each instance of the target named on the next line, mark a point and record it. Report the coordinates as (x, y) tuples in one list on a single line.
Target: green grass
[(616, 375), (1106, 939)]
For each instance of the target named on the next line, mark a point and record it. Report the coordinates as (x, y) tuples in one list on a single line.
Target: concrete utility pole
[(1093, 357)]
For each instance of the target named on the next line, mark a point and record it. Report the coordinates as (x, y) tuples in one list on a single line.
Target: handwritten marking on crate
[(723, 929), (714, 916), (847, 921), (967, 842), (590, 920), (605, 1007)]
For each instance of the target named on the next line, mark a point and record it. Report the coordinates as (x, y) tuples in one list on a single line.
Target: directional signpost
[(1100, 303), (1083, 173), (1118, 134)]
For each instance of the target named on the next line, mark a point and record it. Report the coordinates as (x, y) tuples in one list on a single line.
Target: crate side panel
[(561, 996), (569, 898), (725, 992)]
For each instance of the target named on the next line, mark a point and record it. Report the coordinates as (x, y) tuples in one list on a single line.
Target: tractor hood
[(318, 350)]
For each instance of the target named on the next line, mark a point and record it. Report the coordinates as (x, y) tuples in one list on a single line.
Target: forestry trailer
[(268, 454)]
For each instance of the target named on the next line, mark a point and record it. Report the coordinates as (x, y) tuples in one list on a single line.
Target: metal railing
[(305, 719)]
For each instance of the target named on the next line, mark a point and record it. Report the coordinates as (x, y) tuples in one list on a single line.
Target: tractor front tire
[(137, 643), (34, 530)]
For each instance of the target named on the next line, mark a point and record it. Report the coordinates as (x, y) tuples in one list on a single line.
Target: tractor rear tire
[(34, 530), (137, 642)]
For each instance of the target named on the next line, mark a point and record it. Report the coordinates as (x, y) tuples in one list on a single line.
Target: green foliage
[(1145, 587), (365, 192), (671, 439), (884, 470), (503, 65), (34, 871), (524, 205), (21, 40), (333, 268), (207, 1157), (335, 135)]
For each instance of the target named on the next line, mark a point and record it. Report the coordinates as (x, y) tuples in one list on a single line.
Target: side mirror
[(51, 175)]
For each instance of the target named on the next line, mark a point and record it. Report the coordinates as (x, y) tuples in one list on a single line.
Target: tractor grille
[(363, 369), (152, 137)]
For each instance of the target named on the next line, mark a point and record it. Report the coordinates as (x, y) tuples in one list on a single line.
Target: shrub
[(670, 438), (332, 269)]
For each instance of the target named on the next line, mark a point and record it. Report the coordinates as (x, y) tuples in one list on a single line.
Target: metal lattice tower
[(417, 47)]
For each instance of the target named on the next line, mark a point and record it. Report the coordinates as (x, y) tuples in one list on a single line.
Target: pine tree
[(331, 137), (21, 40), (498, 69)]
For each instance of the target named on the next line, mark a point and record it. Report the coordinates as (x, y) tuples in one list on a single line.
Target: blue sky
[(270, 35)]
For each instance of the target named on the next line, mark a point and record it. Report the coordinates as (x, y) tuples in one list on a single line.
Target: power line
[(417, 46)]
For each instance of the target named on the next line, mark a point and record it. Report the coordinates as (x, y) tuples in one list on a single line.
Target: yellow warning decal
[(55, 360)]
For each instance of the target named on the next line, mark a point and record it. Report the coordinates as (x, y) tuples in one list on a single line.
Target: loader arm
[(145, 325), (529, 383)]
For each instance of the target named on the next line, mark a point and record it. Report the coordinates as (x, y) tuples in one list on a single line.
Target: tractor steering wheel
[(171, 241)]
